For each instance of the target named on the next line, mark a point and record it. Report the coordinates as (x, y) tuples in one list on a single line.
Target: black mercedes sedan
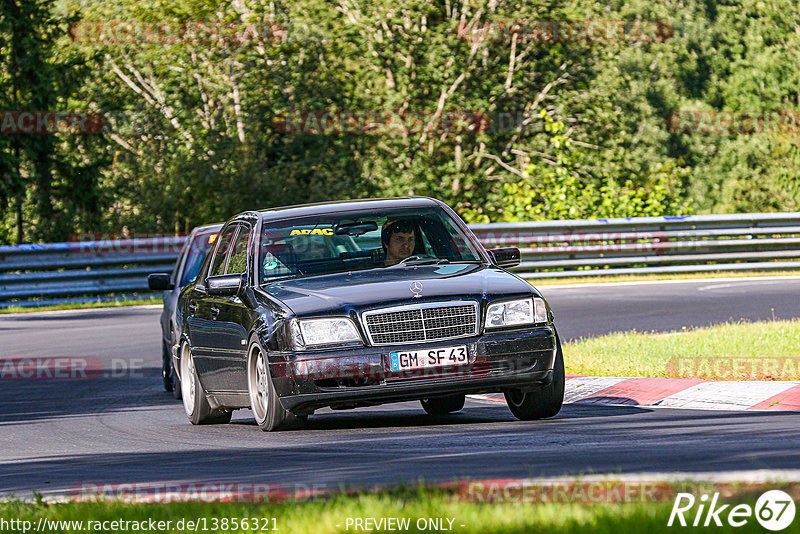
[(360, 303)]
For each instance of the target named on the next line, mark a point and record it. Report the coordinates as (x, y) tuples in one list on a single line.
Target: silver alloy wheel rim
[(188, 380), (257, 381)]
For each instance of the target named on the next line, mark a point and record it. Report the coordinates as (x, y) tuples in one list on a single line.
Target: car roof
[(323, 208), (206, 228)]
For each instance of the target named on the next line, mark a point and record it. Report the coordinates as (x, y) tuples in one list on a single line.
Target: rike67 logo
[(774, 510)]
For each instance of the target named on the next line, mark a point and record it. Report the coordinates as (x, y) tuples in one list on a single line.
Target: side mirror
[(505, 257), (159, 282), (225, 284)]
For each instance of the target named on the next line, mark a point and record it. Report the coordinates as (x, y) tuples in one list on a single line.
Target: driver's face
[(401, 245)]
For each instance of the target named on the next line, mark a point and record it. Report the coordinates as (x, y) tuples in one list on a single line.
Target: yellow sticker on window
[(212, 238), (310, 231)]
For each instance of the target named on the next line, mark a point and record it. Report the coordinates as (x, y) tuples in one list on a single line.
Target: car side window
[(238, 262), (173, 278), (218, 262)]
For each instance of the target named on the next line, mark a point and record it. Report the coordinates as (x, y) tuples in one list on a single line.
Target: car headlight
[(516, 312), (328, 331)]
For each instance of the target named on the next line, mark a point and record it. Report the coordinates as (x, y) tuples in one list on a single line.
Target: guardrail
[(641, 245), (56, 273), (59, 272)]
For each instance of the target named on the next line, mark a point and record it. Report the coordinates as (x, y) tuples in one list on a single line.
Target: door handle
[(214, 312), (192, 307)]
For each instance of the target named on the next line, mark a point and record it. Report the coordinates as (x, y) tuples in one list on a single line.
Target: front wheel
[(195, 403), (267, 408), (443, 405), (544, 402)]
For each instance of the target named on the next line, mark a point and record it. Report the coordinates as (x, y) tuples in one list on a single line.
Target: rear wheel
[(267, 408), (443, 405), (195, 403), (166, 367), (176, 385), (544, 402)]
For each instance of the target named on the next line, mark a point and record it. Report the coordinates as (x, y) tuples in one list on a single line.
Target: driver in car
[(399, 241)]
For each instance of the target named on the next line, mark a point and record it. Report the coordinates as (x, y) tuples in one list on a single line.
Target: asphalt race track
[(602, 308), (56, 435)]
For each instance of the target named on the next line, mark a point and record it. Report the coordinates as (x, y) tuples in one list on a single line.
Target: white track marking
[(726, 395)]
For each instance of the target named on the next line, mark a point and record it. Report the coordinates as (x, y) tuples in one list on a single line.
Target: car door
[(201, 308), (232, 322)]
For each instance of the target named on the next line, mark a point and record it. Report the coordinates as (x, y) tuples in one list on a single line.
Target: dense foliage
[(210, 108)]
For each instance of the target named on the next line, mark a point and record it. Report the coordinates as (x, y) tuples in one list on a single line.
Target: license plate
[(420, 359)]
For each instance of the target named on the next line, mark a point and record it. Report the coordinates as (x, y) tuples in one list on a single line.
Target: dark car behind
[(187, 265)]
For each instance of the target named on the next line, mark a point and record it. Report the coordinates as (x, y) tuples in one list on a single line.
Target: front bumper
[(348, 378)]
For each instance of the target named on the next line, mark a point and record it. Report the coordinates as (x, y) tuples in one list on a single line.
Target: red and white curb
[(677, 393)]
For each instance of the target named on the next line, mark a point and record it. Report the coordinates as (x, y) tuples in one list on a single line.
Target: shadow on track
[(33, 400), (373, 447)]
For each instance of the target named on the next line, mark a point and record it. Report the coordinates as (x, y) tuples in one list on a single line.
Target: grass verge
[(579, 513), (604, 279), (766, 350), (81, 305)]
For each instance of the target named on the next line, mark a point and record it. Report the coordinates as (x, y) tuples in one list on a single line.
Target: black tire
[(267, 409), (166, 367), (443, 405), (195, 403), (544, 402)]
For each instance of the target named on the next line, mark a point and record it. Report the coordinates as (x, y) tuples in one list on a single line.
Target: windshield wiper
[(279, 279), (427, 261)]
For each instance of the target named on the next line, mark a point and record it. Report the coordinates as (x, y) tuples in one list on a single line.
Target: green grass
[(330, 515), (700, 353), (602, 279), (81, 305)]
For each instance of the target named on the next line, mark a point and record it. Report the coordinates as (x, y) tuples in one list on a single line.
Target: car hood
[(378, 288)]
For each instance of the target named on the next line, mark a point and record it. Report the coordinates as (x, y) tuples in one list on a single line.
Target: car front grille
[(428, 322)]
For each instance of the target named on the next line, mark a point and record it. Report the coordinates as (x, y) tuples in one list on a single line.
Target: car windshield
[(198, 249), (361, 240)]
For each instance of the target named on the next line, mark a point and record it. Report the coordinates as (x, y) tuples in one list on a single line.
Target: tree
[(41, 175)]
